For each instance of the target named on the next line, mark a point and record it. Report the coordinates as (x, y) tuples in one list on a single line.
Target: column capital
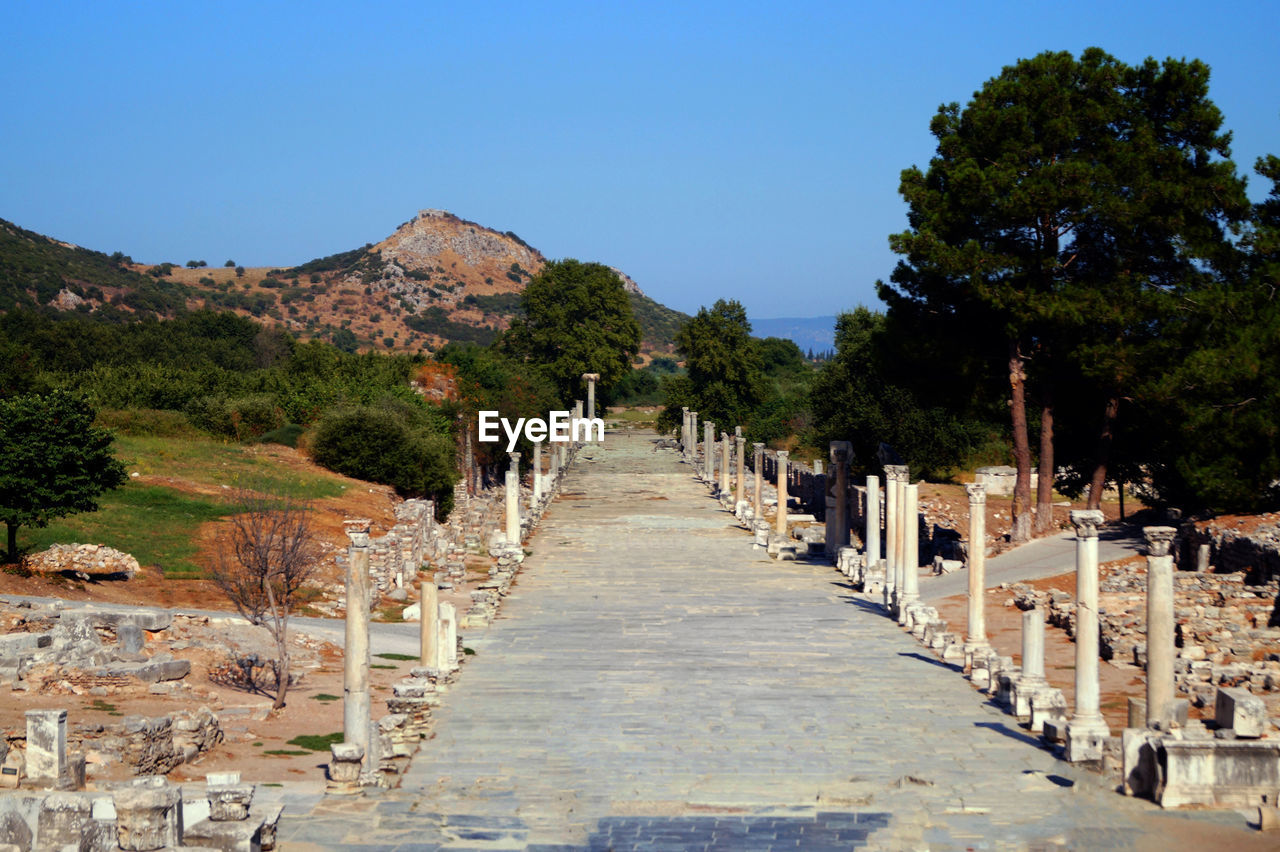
[(724, 436), (895, 472), (782, 455), (591, 377), (757, 447), (515, 457), (977, 492), (739, 440), (357, 529), (685, 409), (1159, 539), (1086, 522)]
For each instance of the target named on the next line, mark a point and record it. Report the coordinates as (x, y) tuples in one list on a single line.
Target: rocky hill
[(437, 278)]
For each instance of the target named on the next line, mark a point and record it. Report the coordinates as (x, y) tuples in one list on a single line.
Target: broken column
[(355, 672), (537, 472), (1087, 730), (708, 451), (1159, 626), (725, 463), (740, 487), (148, 815), (684, 432), (780, 525), (837, 533), (429, 626), (513, 502), (1031, 679), (591, 379), (47, 763), (975, 639)]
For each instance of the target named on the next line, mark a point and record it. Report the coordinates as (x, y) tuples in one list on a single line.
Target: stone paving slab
[(655, 683)]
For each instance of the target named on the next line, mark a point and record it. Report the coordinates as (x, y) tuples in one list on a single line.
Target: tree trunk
[(1021, 446), (1099, 479), (11, 552), (282, 673), (1044, 487)]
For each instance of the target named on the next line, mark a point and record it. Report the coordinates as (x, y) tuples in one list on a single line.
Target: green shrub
[(147, 421), (287, 435)]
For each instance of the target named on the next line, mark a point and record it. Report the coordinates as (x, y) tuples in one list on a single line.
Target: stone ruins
[(1204, 638)]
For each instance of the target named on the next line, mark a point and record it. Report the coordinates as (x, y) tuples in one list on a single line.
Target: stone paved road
[(654, 683)]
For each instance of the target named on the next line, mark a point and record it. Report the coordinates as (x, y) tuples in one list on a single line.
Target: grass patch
[(259, 744), (468, 652), (380, 666), (396, 656), (210, 462), (324, 696), (316, 742), (286, 752), (105, 707), (156, 525)]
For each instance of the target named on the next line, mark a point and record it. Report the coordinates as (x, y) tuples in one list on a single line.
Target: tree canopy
[(577, 319), (53, 461), (1072, 207)]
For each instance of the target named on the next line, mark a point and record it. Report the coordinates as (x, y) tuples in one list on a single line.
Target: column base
[(905, 600), (1085, 739)]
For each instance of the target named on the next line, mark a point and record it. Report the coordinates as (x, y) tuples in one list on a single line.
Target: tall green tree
[(577, 319), (724, 379), (1068, 207), (53, 461)]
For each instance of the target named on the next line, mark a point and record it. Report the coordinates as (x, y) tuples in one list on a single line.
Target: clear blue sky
[(717, 149)]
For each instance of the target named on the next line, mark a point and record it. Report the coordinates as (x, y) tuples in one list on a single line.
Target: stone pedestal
[(1087, 731), (448, 637), (1160, 627), (976, 626), (345, 764), (780, 522), (429, 635), (47, 762), (66, 820), (355, 680)]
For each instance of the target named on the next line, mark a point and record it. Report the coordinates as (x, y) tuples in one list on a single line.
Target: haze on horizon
[(726, 150)]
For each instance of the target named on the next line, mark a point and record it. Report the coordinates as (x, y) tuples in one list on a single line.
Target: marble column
[(513, 501), (892, 531), (725, 462), (708, 451), (872, 540), (684, 432), (356, 703), (576, 431), (693, 440), (554, 475), (591, 379), (976, 625), (537, 472), (739, 447), (1160, 653), (448, 637), (757, 497), (1030, 679), (1086, 730), (910, 588), (900, 530), (780, 527), (429, 603)]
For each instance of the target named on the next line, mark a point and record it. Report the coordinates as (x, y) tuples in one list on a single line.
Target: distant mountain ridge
[(436, 278), (816, 333)]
